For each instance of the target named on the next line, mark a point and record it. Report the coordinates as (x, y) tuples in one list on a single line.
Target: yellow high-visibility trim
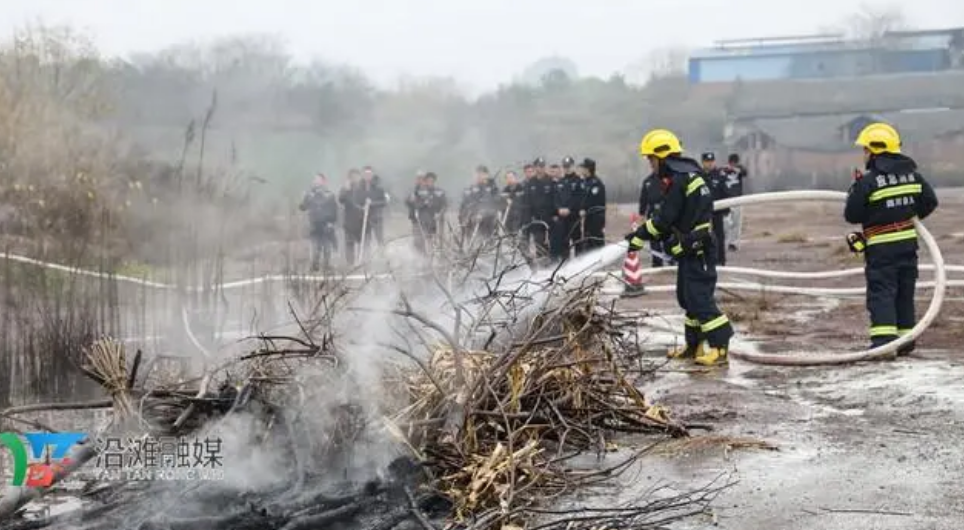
[(893, 237), (691, 323), (717, 322), (651, 228), (676, 250), (895, 191), (695, 185), (883, 331)]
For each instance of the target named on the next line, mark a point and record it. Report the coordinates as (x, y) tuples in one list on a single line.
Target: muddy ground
[(870, 446)]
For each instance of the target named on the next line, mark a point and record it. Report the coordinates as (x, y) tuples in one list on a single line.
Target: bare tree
[(661, 63), (871, 23)]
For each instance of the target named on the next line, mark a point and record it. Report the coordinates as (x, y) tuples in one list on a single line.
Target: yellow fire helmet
[(879, 138), (660, 143)]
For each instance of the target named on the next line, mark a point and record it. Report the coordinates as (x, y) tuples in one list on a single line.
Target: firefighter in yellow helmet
[(684, 226), (885, 199)]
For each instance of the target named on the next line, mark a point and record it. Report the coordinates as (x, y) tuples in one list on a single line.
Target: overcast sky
[(480, 42)]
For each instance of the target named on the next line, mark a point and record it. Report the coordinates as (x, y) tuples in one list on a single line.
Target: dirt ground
[(870, 446)]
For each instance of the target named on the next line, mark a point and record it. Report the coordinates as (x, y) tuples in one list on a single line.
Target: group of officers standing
[(363, 199), (553, 212)]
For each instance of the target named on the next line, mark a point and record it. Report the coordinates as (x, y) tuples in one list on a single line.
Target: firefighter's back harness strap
[(890, 233)]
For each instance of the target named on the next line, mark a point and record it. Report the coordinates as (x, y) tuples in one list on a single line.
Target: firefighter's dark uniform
[(718, 183), (428, 204), (684, 225), (885, 200), (594, 204), (540, 198), (322, 207), (650, 199)]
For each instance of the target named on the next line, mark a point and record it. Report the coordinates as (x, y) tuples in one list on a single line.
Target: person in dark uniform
[(558, 228), (717, 181), (735, 173), (322, 207), (428, 205), (410, 200), (377, 199), (684, 224), (513, 203), (885, 201), (469, 208), (514, 212), (540, 200), (569, 198), (352, 198), (592, 214), (479, 210), (488, 203), (650, 197)]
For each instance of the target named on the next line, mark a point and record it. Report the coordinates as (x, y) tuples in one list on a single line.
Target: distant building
[(782, 148), (827, 57)]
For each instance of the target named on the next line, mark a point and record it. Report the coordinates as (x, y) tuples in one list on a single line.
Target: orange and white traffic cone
[(633, 270)]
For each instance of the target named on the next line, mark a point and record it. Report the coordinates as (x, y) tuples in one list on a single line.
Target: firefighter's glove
[(693, 242), (856, 242), (635, 242)]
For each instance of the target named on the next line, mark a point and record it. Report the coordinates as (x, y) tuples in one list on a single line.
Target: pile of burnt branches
[(500, 427)]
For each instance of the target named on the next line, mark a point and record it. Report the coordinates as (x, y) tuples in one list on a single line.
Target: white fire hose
[(880, 352)]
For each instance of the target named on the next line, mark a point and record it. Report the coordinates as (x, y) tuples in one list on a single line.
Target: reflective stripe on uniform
[(883, 331), (717, 322), (895, 191), (893, 237), (651, 228), (677, 249), (902, 332), (695, 185), (708, 226), (691, 323)]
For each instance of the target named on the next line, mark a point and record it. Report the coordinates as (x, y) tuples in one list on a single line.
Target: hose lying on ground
[(881, 352)]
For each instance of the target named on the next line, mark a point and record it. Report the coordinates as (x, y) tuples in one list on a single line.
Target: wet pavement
[(870, 446)]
